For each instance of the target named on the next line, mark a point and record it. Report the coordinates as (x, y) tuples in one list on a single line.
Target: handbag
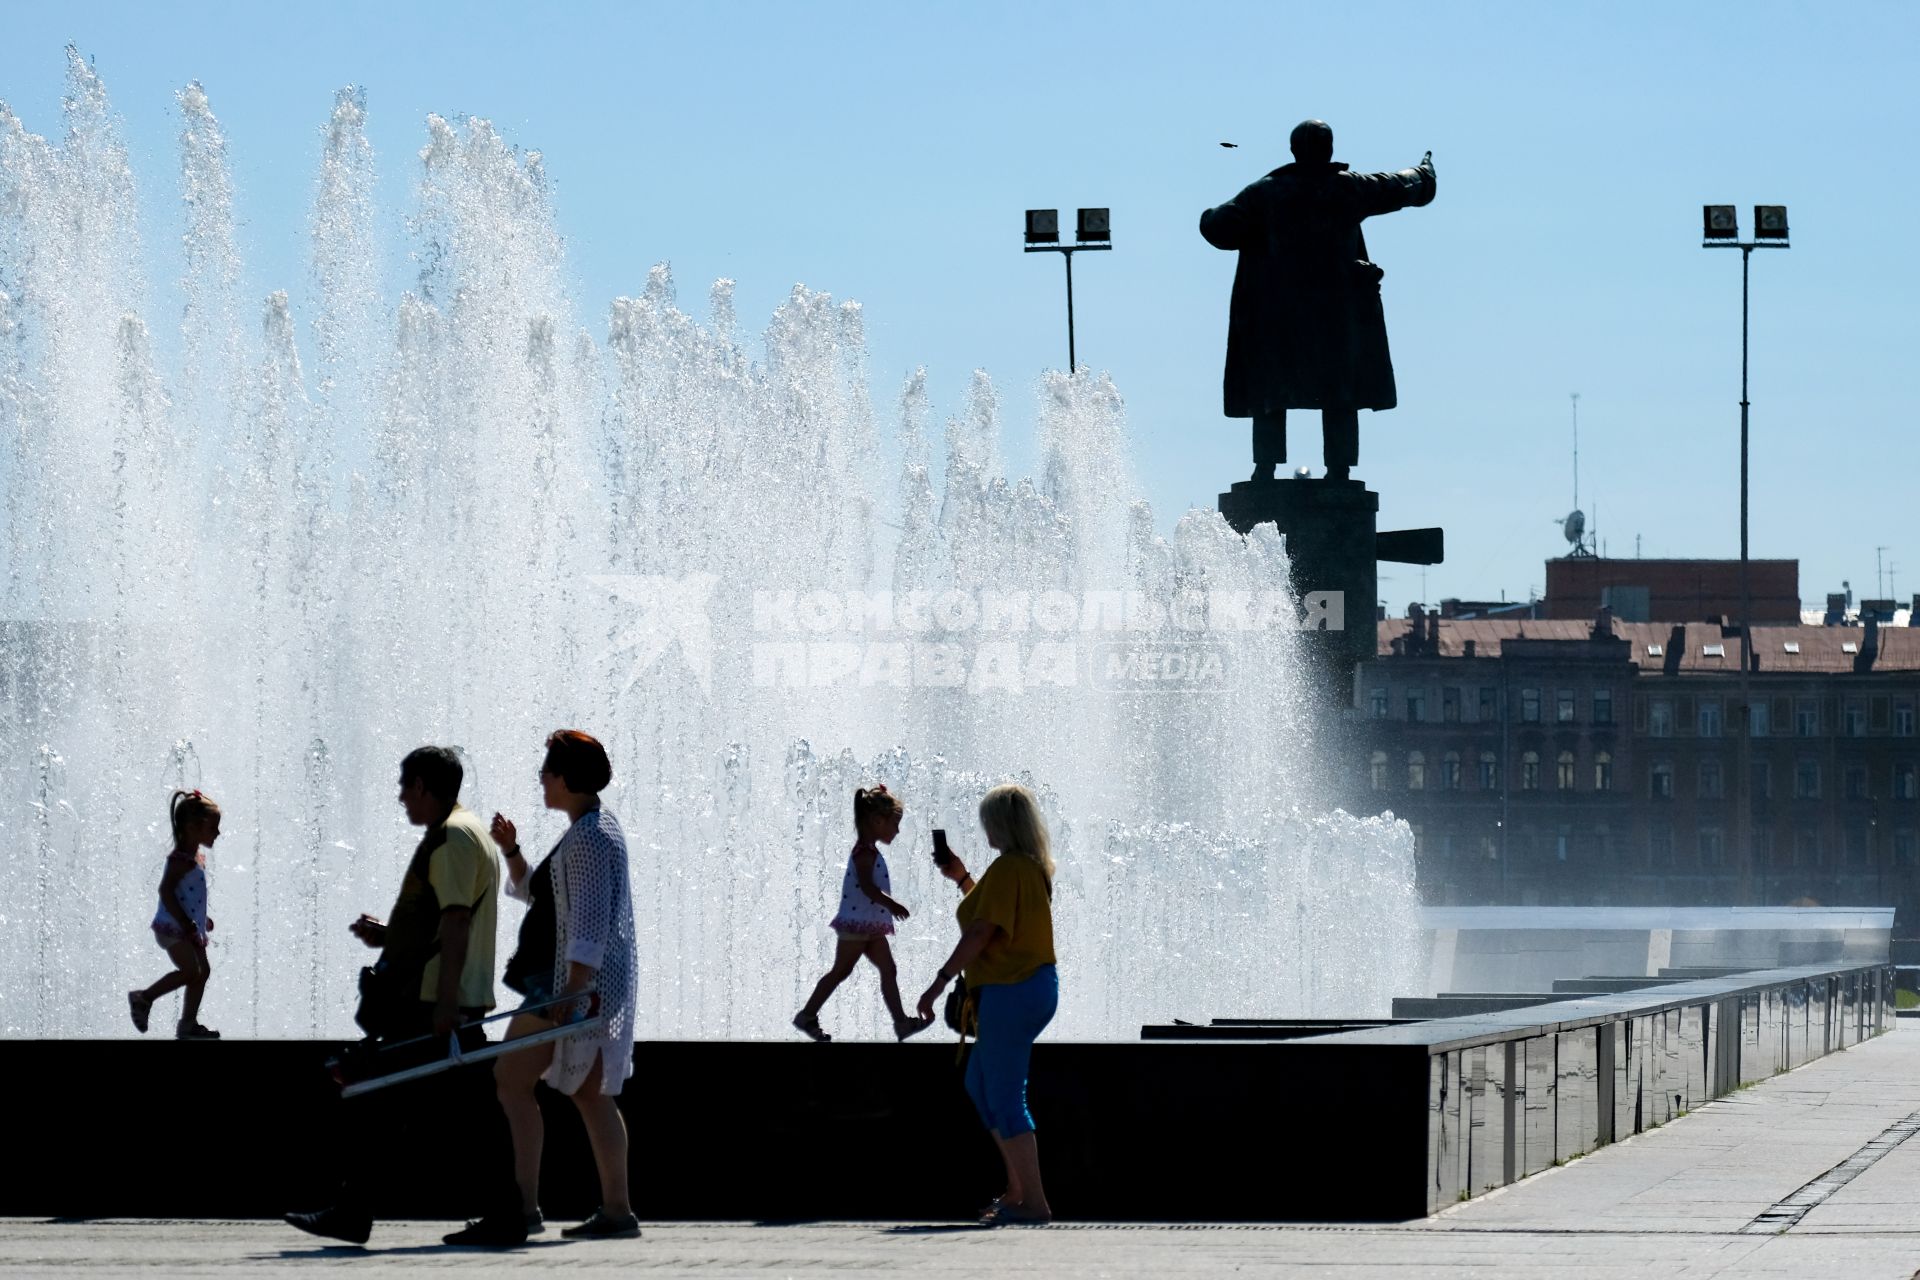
[(389, 998), (962, 1010)]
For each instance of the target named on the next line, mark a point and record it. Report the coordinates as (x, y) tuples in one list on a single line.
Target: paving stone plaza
[(1809, 1173)]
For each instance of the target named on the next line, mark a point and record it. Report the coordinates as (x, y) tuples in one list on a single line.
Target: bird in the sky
[(1229, 144)]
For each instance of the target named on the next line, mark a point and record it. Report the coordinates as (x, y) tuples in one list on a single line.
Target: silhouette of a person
[(1307, 330)]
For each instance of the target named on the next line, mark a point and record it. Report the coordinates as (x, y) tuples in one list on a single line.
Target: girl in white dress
[(865, 919), (181, 924), (582, 891)]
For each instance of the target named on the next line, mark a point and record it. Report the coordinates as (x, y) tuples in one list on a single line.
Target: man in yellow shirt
[(435, 974)]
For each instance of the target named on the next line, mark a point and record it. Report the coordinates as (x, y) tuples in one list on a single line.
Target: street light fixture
[(1720, 229), (1092, 230)]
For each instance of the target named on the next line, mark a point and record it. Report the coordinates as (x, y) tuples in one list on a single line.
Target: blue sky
[(885, 152)]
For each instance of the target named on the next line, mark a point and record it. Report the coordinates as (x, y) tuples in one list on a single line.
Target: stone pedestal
[(1334, 547)]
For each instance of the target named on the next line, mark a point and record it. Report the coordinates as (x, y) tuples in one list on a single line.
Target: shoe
[(194, 1031), (536, 1223), (601, 1227), (1002, 1214), (1264, 470), (905, 1028), (140, 1007), (495, 1231), (808, 1025), (334, 1224)]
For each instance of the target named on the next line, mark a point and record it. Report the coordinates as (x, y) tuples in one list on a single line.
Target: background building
[(1638, 590), (1593, 762)]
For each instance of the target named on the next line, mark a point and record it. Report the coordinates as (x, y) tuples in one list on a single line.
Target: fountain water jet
[(269, 576)]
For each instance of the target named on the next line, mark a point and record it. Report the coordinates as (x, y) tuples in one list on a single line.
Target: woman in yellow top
[(1006, 951)]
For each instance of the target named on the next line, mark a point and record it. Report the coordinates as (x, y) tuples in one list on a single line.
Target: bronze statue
[(1307, 330)]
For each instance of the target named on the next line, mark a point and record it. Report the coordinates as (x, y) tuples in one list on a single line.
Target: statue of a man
[(1307, 331)]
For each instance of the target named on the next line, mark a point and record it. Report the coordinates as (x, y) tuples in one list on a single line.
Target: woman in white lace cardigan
[(577, 935)]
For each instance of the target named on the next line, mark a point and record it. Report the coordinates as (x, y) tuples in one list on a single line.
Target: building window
[(1603, 771), (1853, 720), (1903, 847), (1707, 720), (1377, 703), (1416, 707), (1377, 770), (1660, 718), (1489, 771), (1562, 842), (1659, 845), (1660, 784), (1563, 771), (1760, 781), (1530, 771), (1806, 847), (1603, 706), (1857, 782), (1903, 720), (1806, 780), (1489, 848), (1710, 846), (1450, 705), (1530, 706), (1563, 707), (1486, 704), (1713, 783), (1806, 718), (1450, 771), (1905, 785), (1857, 848), (1757, 724), (1416, 771)]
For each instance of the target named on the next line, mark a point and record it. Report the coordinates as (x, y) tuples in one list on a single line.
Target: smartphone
[(941, 854)]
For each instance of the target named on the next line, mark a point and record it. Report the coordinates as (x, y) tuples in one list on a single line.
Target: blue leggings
[(1011, 1018)]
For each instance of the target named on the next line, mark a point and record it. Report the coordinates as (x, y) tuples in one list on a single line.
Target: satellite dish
[(1574, 527)]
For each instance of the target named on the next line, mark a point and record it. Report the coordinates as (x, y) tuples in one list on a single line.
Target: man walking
[(434, 978)]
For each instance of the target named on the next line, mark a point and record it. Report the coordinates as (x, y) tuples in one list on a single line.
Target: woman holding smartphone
[(1006, 953)]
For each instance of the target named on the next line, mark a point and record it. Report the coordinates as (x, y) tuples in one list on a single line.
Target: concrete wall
[(1523, 949), (1132, 1131)]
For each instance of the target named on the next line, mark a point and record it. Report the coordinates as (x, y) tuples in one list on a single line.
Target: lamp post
[(1091, 231), (1720, 229)]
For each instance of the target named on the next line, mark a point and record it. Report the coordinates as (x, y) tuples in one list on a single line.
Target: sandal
[(808, 1025), (905, 1028)]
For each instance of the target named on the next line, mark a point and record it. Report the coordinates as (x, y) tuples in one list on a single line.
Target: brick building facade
[(1562, 762), (1637, 590)]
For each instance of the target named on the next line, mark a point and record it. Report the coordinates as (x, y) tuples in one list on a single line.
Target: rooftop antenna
[(1573, 526), (1879, 574), (1576, 449)]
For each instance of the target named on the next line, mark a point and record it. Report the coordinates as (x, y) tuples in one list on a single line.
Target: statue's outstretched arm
[(1386, 192)]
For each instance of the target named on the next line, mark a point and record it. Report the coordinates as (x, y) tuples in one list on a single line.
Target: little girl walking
[(866, 915), (182, 924)]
